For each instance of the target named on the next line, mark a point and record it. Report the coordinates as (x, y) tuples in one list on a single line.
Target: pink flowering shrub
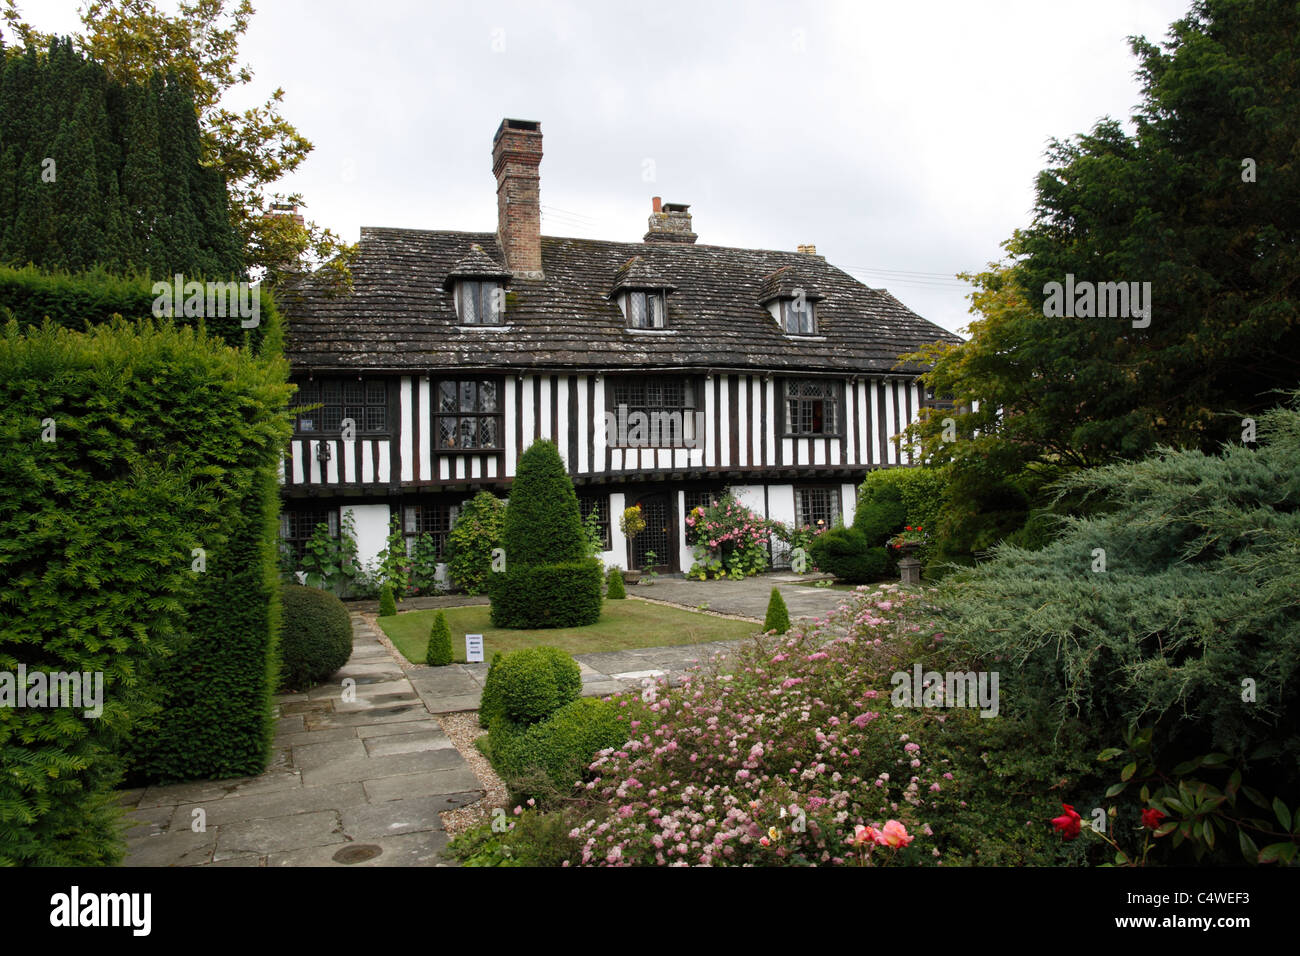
[(778, 759), (729, 539)]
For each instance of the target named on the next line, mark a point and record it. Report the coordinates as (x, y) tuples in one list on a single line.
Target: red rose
[(1151, 818), (1068, 822)]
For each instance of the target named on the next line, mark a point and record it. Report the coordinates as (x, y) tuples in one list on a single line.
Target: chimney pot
[(516, 163), (656, 204)]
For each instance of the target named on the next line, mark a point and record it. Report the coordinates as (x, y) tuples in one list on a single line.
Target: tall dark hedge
[(128, 191), (164, 441)]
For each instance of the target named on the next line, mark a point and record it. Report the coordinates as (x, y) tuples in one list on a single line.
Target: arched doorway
[(659, 536)]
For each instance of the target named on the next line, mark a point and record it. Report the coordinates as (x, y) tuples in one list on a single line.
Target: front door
[(659, 536)]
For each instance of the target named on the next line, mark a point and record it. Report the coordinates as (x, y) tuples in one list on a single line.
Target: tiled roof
[(786, 283), (475, 264), (636, 273), (400, 316)]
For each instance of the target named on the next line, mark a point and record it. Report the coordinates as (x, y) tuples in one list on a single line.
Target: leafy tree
[(1201, 202)]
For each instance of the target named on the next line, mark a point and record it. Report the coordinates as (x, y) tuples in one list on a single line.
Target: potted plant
[(631, 522), (908, 541)]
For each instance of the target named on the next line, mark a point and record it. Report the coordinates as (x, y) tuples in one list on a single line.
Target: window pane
[(655, 310), (412, 519), (331, 418), (466, 396), (446, 396), (353, 392), (447, 432), (331, 392), (376, 394), (376, 418), (468, 438), (491, 303), (487, 396), (488, 433), (637, 309), (469, 303)]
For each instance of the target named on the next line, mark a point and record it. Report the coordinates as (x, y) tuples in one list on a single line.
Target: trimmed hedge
[(547, 595), (845, 553), (549, 757), (542, 523), (881, 513), (778, 617), (95, 298), (615, 591), (164, 441), (548, 580), (532, 684), (387, 605), (489, 705), (316, 636), (438, 653)]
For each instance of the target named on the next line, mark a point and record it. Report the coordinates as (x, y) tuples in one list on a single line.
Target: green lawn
[(622, 625)]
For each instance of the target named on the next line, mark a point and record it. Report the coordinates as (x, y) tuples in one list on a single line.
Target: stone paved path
[(357, 782)]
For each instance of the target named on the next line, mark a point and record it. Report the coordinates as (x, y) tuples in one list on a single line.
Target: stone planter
[(631, 577), (909, 568)]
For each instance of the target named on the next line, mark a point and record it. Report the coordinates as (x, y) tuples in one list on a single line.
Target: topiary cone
[(387, 606), (438, 653), (778, 618), (616, 589)]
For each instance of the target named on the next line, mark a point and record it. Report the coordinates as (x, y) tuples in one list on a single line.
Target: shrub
[(489, 705), (730, 540), (547, 595), (477, 532), (616, 590), (844, 552), (922, 491), (161, 442), (424, 567), (1198, 593), (548, 581), (547, 758), (316, 636), (387, 606), (881, 513), (534, 683), (542, 524), (438, 653), (778, 618), (394, 571)]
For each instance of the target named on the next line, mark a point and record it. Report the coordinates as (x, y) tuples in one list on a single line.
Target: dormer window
[(791, 300), (797, 317), (645, 309), (480, 302)]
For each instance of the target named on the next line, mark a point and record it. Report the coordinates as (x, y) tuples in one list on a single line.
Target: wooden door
[(659, 536)]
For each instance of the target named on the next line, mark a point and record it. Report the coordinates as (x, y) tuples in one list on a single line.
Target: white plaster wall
[(751, 496), (372, 530), (617, 555), (848, 502), (780, 502)]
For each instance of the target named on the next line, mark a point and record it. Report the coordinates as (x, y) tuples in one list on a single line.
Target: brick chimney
[(669, 222), (516, 159)]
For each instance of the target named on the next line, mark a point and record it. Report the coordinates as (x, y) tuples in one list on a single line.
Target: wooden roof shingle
[(400, 315)]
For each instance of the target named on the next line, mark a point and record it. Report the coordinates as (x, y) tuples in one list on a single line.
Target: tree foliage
[(253, 149)]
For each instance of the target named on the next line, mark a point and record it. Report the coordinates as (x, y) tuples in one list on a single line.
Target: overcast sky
[(901, 138)]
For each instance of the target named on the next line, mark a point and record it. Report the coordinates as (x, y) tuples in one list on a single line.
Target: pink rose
[(893, 834)]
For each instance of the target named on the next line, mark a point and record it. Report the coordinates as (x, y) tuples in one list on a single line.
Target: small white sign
[(473, 648)]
